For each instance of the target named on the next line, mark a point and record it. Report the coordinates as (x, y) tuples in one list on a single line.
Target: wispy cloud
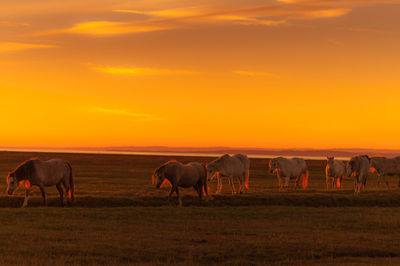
[(15, 46), (13, 24), (378, 31), (135, 71), (255, 74), (121, 112), (112, 28), (275, 13), (268, 15)]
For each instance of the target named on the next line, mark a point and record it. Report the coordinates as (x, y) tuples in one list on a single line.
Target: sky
[(239, 73)]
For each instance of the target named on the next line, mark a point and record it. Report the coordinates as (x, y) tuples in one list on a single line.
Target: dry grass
[(120, 218)]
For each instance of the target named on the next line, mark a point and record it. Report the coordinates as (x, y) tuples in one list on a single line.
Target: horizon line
[(193, 147)]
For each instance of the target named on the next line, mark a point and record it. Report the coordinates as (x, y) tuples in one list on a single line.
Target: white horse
[(359, 167), (285, 169), (182, 175), (335, 171), (230, 167), (43, 174)]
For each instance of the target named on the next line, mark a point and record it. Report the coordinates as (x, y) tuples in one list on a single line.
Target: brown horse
[(43, 174), (182, 175)]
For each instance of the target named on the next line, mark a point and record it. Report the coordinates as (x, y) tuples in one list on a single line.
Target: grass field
[(120, 218)]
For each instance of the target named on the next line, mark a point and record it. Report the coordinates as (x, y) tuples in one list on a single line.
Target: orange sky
[(247, 73)]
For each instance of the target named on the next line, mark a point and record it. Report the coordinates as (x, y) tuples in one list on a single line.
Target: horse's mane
[(24, 163), (165, 164), (23, 170), (222, 157)]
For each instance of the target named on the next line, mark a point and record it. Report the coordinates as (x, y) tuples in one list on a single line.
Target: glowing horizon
[(267, 74)]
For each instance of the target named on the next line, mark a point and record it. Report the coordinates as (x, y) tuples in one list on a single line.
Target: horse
[(35, 172), (335, 171), (228, 166), (182, 175), (295, 168), (385, 167), (359, 167)]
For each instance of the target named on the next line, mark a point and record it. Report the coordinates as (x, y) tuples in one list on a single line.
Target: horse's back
[(293, 167), (191, 174), (244, 160), (50, 172), (339, 168)]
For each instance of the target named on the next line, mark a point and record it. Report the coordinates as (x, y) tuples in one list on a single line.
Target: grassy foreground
[(120, 218)]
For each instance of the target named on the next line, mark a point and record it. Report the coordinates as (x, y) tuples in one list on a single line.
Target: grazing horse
[(335, 171), (43, 174), (228, 166), (182, 175), (385, 167), (359, 167), (285, 169)]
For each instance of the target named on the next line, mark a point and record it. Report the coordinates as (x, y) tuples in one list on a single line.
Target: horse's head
[(12, 183), (350, 168), (373, 165), (273, 166), (330, 161), (158, 177), (211, 172)]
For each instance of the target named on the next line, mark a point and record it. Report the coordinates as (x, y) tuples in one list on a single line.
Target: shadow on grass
[(313, 199)]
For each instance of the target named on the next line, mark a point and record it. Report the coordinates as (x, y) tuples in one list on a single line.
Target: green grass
[(120, 218)]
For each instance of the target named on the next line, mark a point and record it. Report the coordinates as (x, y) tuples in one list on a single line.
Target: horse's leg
[(296, 182), (240, 189), (386, 181), (355, 185), (219, 185), (287, 181), (178, 196), (205, 187), (67, 190), (232, 185), (43, 195), (327, 183), (26, 198), (200, 191), (378, 182), (60, 190), (279, 182), (173, 187)]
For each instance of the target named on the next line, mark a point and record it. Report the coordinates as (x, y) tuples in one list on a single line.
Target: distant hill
[(261, 151)]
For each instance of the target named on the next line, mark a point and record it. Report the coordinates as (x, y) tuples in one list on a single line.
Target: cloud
[(13, 24), (328, 13), (112, 28), (268, 15), (143, 71), (275, 13), (121, 112), (378, 31), (15, 46), (255, 74)]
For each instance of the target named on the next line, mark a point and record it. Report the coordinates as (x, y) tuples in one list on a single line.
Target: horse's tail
[(246, 182), (205, 187), (305, 179), (71, 190)]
